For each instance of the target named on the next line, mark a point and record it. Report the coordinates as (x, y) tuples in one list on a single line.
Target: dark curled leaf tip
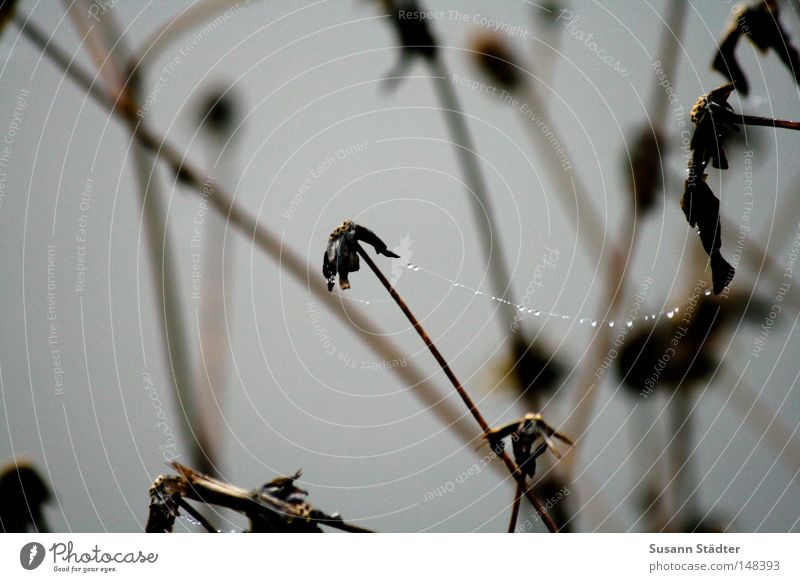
[(341, 255)]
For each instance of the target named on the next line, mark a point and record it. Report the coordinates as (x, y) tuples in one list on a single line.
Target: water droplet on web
[(523, 308)]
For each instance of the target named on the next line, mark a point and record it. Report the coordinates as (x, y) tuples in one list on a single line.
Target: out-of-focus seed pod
[(496, 60), (536, 372), (23, 494), (219, 112), (646, 173)]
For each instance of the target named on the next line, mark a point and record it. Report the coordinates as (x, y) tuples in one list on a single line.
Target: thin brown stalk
[(511, 465), (95, 45), (568, 185), (190, 17), (765, 121), (668, 51), (199, 437), (763, 420), (679, 453), (199, 517), (259, 235), (343, 526), (470, 163), (616, 275), (512, 522), (760, 260), (597, 244)]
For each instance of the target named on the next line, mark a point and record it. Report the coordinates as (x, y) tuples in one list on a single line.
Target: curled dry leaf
[(701, 208)]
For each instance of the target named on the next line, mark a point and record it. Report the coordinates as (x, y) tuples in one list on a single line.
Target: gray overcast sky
[(322, 139)]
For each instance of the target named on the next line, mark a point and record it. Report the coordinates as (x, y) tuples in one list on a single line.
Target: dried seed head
[(536, 371), (645, 168), (341, 229), (7, 10), (712, 115), (531, 437), (341, 254), (219, 112), (412, 29), (23, 494)]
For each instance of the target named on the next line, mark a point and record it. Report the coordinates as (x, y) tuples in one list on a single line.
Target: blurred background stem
[(257, 234), (462, 393), (470, 163), (109, 59)]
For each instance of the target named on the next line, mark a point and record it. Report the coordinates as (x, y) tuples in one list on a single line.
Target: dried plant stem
[(199, 439), (191, 16), (512, 522), (616, 275), (596, 241), (616, 278), (668, 51), (511, 465), (263, 238), (751, 408), (470, 163), (568, 185), (343, 526), (765, 121), (679, 453), (197, 516), (760, 260)]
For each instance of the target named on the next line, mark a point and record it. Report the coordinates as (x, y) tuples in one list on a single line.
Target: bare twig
[(512, 522), (616, 274), (260, 236), (267, 509), (765, 121), (199, 517), (470, 163), (511, 465), (199, 437)]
